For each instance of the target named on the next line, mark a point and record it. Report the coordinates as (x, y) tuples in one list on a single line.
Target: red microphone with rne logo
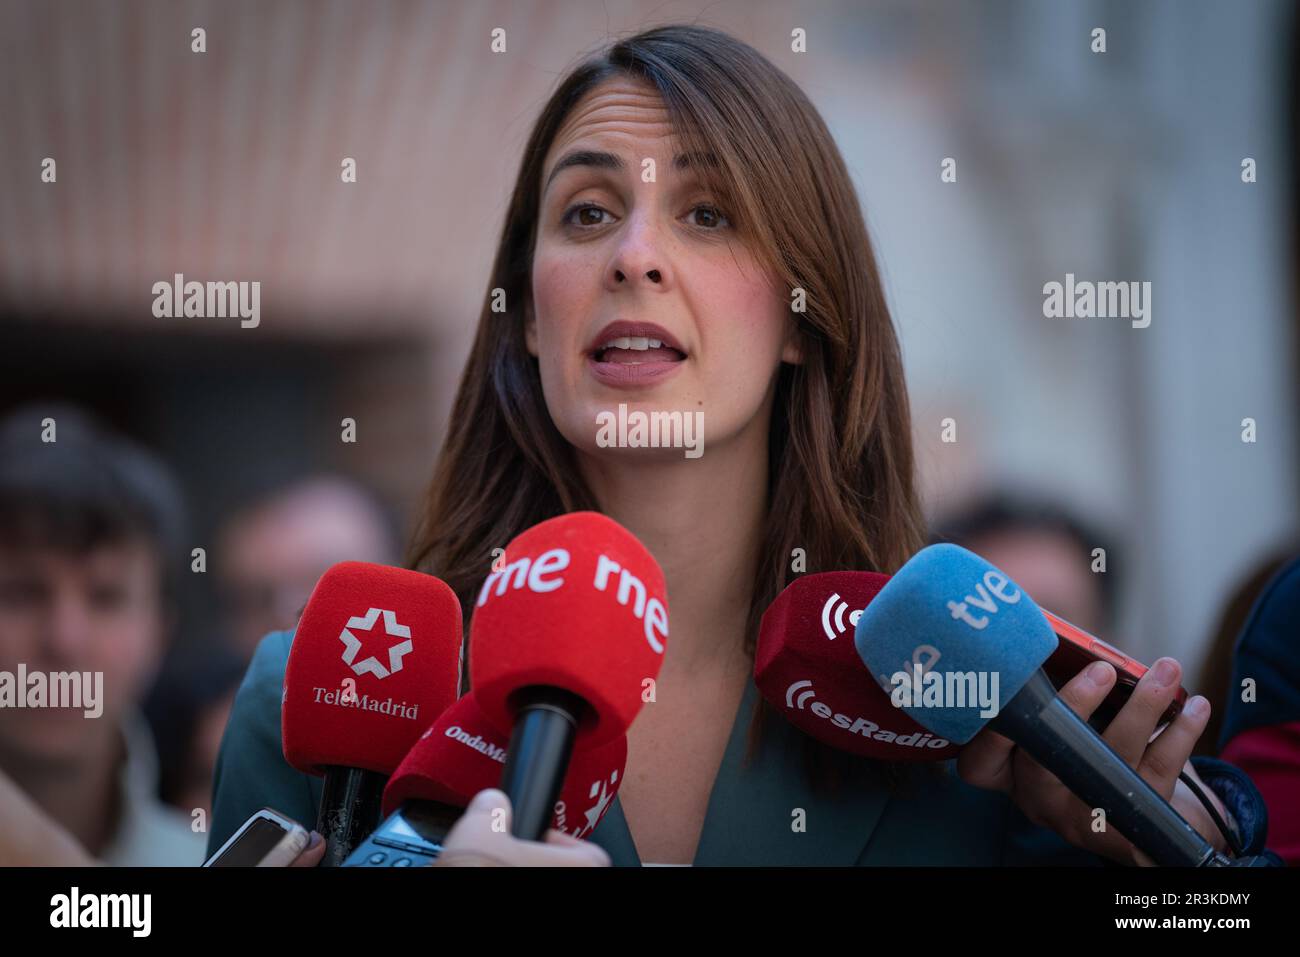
[(566, 639)]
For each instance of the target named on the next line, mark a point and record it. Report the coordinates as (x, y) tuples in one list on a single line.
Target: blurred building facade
[(1116, 166)]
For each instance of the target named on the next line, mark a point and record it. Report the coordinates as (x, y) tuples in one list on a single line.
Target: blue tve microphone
[(963, 645)]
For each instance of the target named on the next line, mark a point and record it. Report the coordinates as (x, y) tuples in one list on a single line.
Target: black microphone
[(538, 756)]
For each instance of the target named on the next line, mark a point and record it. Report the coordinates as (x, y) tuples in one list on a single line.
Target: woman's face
[(701, 328)]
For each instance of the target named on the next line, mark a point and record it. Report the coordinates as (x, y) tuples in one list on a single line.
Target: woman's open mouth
[(630, 354), (634, 350)]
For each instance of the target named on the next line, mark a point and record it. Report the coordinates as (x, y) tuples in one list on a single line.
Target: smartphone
[(267, 839), (1077, 649)]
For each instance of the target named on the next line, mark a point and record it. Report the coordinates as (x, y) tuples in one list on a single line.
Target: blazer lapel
[(753, 815), (613, 835)]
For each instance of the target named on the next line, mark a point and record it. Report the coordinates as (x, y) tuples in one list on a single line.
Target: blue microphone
[(960, 646)]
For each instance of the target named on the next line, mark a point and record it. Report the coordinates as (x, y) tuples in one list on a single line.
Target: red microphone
[(564, 638), (375, 659), (462, 754), (806, 666)]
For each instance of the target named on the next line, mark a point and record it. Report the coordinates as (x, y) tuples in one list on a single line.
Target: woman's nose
[(639, 257), (651, 274)]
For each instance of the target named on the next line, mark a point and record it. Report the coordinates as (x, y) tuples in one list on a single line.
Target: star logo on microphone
[(597, 810), (372, 665)]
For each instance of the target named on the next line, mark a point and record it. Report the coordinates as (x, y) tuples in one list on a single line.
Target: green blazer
[(929, 818)]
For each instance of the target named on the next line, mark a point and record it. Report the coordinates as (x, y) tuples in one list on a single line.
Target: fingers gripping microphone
[(989, 641), (375, 659), (806, 666), (562, 641)]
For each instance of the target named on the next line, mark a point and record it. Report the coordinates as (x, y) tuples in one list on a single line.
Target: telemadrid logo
[(833, 613), (862, 726), (372, 665)]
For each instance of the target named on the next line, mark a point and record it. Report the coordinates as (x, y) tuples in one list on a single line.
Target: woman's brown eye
[(713, 217), (579, 211)]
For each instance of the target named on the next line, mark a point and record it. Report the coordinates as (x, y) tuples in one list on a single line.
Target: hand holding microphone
[(482, 837), (992, 760), (987, 641)]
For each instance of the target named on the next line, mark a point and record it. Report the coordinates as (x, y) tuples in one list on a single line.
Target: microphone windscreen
[(578, 604), (806, 666), (980, 636), (461, 754), (375, 658)]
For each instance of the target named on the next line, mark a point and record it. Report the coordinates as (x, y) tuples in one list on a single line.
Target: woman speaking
[(684, 238)]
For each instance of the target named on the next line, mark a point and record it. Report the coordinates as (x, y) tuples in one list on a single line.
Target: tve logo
[(924, 658), (988, 593)]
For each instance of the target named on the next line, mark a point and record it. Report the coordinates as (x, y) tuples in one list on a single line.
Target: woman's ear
[(530, 329), (792, 349)]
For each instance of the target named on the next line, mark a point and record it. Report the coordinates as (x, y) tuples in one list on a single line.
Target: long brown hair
[(841, 482)]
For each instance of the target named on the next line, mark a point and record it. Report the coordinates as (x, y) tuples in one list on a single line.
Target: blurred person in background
[(30, 838), (272, 550), (187, 710), (1046, 549), (1251, 672), (1215, 672), (91, 542)]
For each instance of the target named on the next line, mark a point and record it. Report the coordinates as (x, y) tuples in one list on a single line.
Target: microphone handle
[(1063, 743), (350, 805), (537, 757)]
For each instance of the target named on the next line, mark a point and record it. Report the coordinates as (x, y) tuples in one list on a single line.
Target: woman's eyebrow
[(594, 158), (602, 160)]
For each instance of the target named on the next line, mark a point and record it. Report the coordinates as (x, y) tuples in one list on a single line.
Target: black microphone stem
[(538, 757), (1063, 743), (350, 804)]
